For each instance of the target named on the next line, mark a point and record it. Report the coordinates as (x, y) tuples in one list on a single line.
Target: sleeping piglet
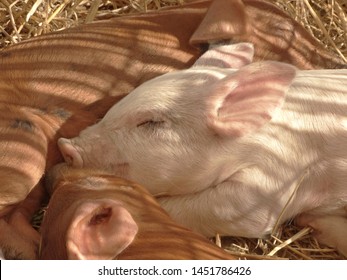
[(230, 146), (93, 215)]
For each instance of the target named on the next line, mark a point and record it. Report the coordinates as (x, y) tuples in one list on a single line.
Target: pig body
[(128, 222), (229, 146)]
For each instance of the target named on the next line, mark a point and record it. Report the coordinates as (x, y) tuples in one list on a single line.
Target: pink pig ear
[(70, 153), (247, 99), (227, 56), (100, 229)]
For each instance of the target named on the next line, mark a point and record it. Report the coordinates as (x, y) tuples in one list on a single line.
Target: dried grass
[(326, 20), (22, 19), (290, 243)]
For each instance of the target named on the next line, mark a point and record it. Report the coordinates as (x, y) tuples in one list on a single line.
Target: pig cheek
[(113, 155), (153, 168), (146, 156)]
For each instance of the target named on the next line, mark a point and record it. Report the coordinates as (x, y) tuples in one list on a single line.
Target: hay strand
[(324, 19), (323, 29), (295, 237), (297, 184)]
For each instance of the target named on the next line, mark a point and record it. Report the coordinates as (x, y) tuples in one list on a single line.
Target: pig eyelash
[(150, 123)]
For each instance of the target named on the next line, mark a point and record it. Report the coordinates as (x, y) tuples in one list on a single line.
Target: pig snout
[(70, 153)]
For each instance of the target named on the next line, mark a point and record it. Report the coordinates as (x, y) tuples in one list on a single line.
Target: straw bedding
[(326, 20)]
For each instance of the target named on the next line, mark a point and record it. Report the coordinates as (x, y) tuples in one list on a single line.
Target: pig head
[(93, 215), (154, 127), (236, 147)]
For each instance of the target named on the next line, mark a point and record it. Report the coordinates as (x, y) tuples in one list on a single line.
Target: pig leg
[(18, 239), (328, 229)]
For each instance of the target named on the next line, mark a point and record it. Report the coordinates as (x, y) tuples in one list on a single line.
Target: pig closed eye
[(150, 123)]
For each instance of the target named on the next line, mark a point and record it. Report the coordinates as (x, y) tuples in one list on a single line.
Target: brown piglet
[(92, 215)]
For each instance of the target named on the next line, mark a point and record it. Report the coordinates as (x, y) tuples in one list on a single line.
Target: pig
[(230, 146), (57, 84), (127, 221)]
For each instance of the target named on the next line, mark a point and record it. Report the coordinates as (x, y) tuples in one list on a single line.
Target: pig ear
[(247, 99), (70, 153), (100, 229), (227, 56), (223, 20)]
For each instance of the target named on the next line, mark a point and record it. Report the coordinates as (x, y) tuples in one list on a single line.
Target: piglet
[(93, 215), (231, 146)]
